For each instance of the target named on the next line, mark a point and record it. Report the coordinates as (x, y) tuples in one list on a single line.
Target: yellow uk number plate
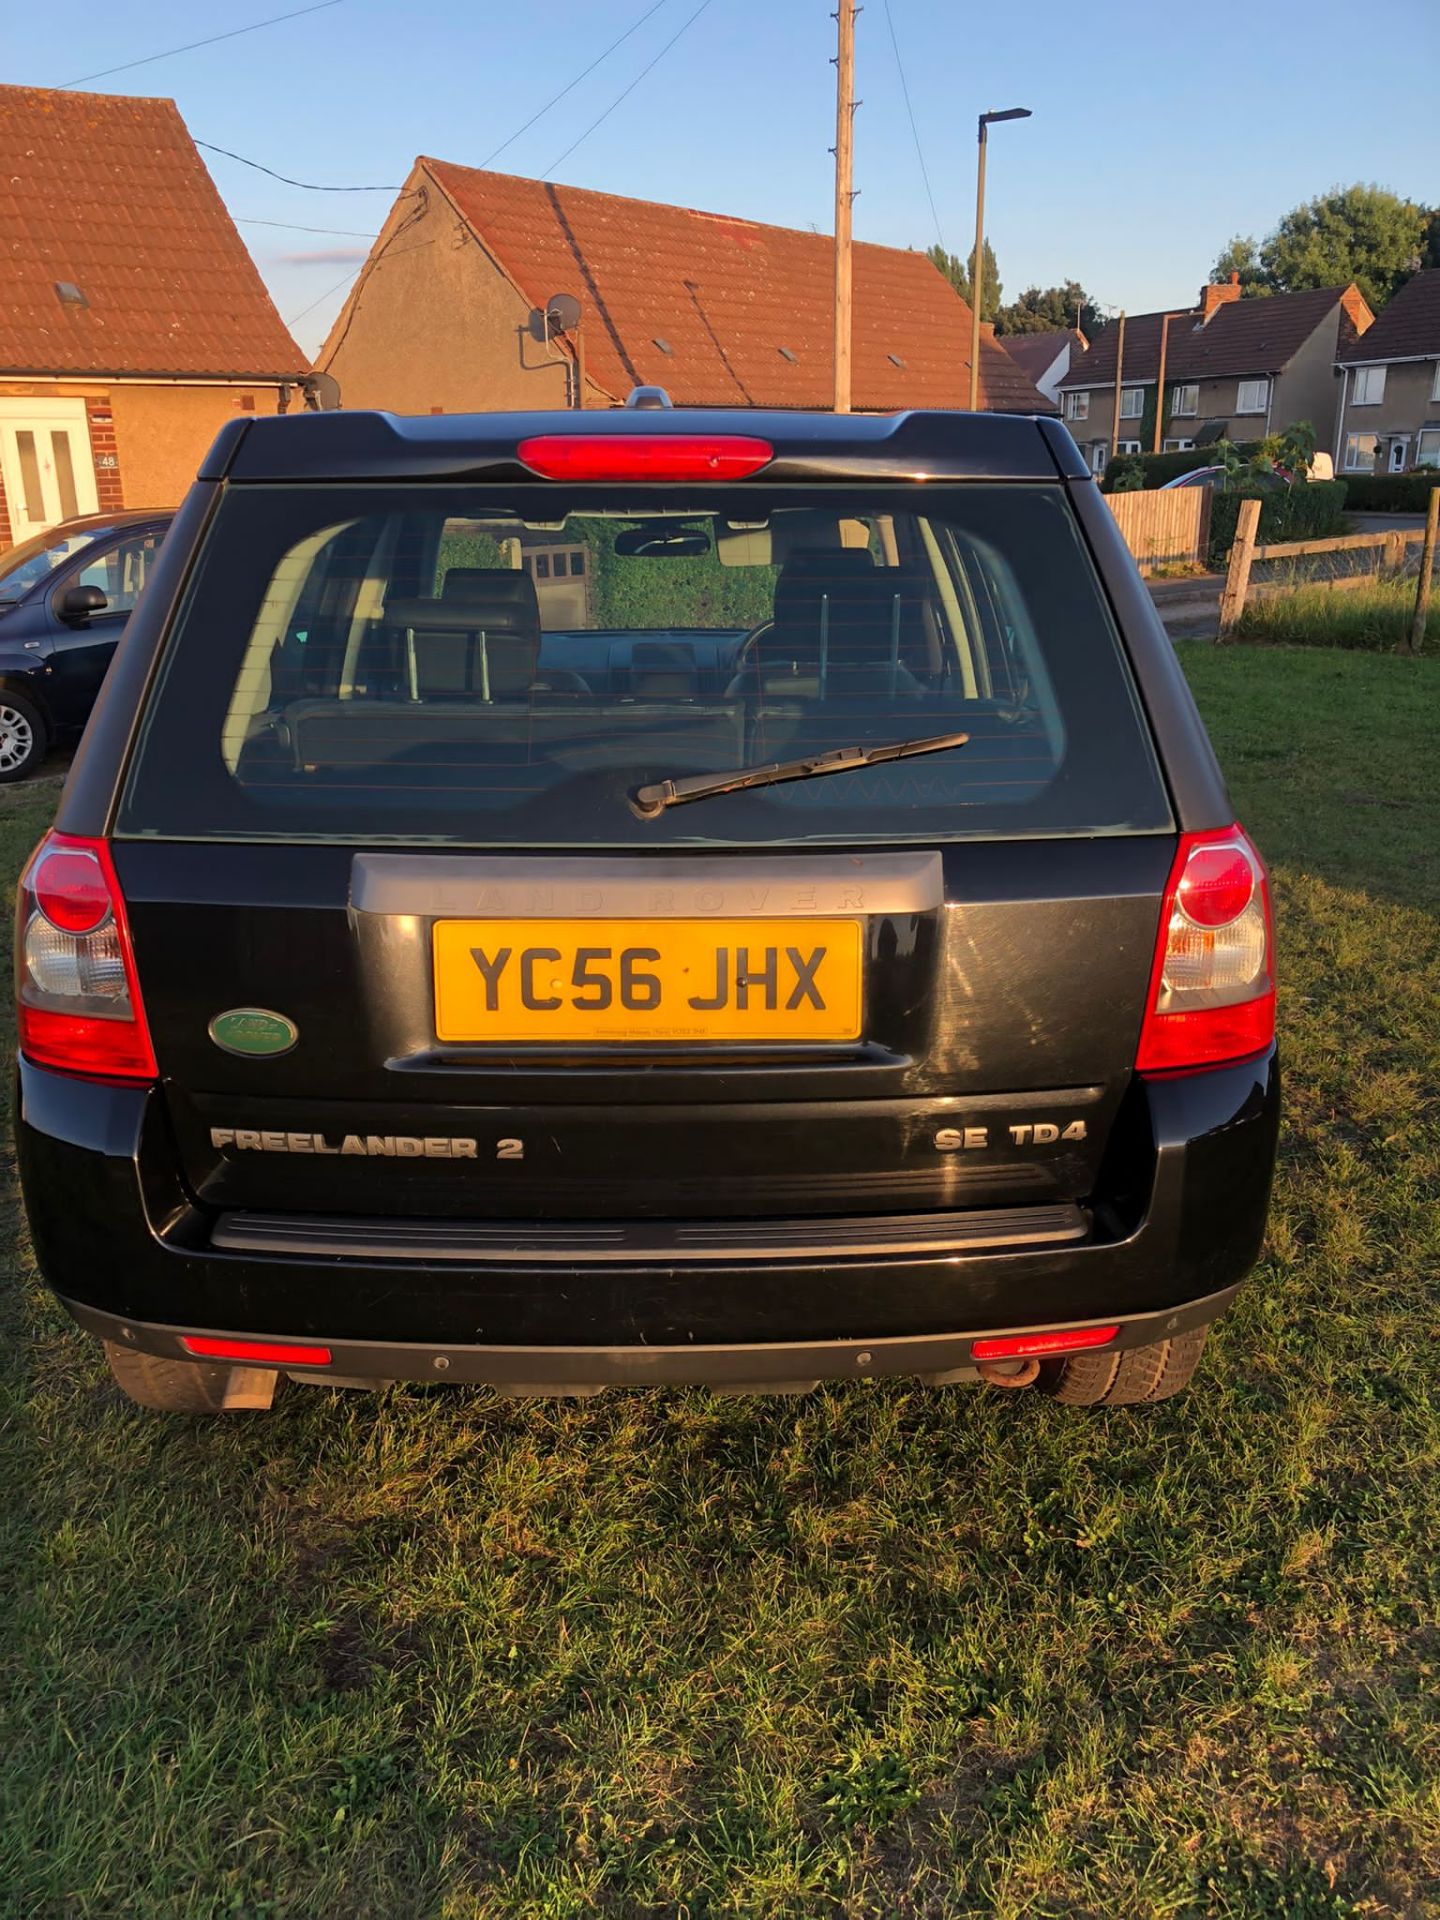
[(591, 981)]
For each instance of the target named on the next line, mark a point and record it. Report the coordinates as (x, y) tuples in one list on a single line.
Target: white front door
[(1399, 452), (46, 464)]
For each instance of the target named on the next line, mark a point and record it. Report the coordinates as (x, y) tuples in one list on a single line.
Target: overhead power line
[(309, 185), (555, 99), (915, 131), (628, 90), (190, 46), (290, 226)]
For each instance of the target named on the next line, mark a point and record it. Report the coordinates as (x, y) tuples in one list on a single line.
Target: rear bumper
[(134, 1258)]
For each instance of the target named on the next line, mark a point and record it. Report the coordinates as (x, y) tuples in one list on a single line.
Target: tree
[(1360, 233), (1242, 256), (958, 272), (1049, 309)]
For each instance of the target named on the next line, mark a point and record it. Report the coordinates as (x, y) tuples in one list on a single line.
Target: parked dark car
[(1221, 478), (820, 945), (64, 599)]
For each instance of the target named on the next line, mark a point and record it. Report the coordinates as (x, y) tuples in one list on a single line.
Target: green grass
[(880, 1651), (1374, 618)]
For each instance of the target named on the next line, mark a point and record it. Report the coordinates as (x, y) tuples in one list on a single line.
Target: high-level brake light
[(645, 456), (79, 1000), (1212, 985)]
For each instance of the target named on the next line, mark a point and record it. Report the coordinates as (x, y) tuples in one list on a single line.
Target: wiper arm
[(660, 794)]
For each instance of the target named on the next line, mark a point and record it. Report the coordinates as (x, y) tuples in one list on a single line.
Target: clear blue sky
[(1159, 131)]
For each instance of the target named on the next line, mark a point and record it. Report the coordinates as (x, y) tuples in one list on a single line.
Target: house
[(1046, 358), (1390, 386), (1234, 369), (457, 309), (134, 322)]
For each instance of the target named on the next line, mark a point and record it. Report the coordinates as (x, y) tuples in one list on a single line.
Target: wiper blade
[(660, 794)]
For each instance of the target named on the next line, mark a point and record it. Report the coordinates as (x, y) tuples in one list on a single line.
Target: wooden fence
[(1164, 527), (1390, 548)]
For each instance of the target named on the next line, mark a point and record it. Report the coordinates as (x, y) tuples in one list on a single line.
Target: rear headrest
[(506, 596)]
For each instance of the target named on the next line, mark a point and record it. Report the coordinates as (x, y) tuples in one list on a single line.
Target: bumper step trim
[(511, 1243)]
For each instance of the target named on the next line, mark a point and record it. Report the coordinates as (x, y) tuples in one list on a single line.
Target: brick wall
[(106, 454)]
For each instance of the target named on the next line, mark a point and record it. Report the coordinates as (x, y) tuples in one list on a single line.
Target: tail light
[(645, 456), (258, 1353), (78, 998), (1212, 988), (1022, 1346)]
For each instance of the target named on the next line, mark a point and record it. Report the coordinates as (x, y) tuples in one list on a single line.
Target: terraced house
[(134, 322), (1390, 386), (1232, 369)]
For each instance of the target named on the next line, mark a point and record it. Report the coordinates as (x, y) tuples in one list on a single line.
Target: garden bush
[(1391, 492), (1160, 467), (1313, 510)]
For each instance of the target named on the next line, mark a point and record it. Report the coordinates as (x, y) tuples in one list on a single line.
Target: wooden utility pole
[(1165, 320), (1427, 567), (1119, 376), (844, 194)]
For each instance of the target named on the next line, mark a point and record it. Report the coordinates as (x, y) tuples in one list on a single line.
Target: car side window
[(120, 571)]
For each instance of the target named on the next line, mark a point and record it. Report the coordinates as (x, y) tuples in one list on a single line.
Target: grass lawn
[(879, 1651)]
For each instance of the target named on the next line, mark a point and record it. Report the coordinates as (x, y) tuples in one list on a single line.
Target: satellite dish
[(322, 392), (563, 312)]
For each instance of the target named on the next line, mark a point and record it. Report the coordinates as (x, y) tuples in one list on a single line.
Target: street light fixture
[(977, 277)]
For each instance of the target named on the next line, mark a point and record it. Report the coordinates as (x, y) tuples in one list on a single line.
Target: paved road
[(1385, 522)]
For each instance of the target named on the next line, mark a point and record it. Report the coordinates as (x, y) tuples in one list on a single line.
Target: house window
[(1185, 401), (1369, 388), (1127, 446), (1178, 446), (577, 563), (1077, 406), (557, 564), (542, 566), (1360, 452), (1435, 390), (1254, 396), (1427, 447), (1132, 403)]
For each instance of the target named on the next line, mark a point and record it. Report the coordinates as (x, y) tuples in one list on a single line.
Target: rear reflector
[(1021, 1346), (79, 1006), (644, 456), (258, 1353), (1212, 985)]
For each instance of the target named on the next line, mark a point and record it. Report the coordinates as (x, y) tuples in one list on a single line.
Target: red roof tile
[(1407, 329), (744, 310), (110, 195)]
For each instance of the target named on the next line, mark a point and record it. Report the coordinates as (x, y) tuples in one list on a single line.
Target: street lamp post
[(977, 277)]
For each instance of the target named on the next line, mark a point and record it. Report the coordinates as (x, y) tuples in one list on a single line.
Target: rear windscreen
[(487, 666)]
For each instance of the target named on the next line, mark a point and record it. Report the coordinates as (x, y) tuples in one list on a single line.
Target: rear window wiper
[(660, 794)]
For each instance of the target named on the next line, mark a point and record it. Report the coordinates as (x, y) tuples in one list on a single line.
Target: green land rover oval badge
[(253, 1031)]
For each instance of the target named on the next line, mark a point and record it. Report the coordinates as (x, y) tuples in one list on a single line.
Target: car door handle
[(32, 646)]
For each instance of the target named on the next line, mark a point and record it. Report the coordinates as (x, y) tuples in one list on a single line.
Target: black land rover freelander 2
[(648, 896)]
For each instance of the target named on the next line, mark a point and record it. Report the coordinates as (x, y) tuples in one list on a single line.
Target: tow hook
[(1009, 1373)]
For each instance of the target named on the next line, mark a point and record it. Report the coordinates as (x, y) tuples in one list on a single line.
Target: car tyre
[(168, 1386), (24, 737), (1133, 1377)]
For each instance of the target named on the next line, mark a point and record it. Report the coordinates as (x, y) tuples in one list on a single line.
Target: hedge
[(1160, 467), (1312, 510), (1391, 492)]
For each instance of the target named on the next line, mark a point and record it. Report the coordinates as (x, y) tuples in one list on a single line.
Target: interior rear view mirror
[(662, 543)]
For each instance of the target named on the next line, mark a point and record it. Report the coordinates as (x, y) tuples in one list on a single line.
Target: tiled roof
[(1255, 336), (1259, 335), (1036, 353), (109, 196), (744, 311), (1142, 351), (1407, 329)]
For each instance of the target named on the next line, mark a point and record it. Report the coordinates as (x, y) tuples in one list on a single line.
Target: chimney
[(1213, 296)]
